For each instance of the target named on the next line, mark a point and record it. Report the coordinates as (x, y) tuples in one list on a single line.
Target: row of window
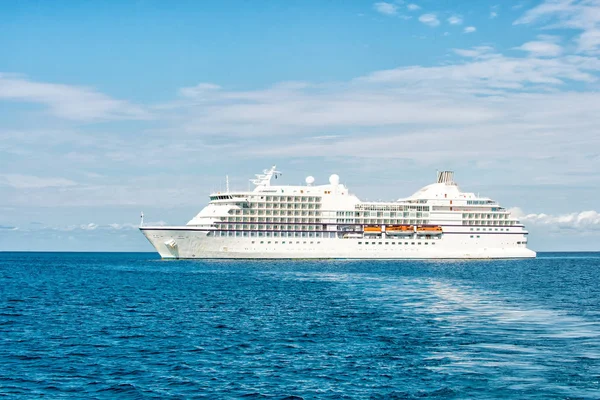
[(382, 214), (313, 219), (274, 212), (330, 235), (309, 218), (287, 199), (288, 206), (399, 243), (390, 207), (485, 216), (491, 229), (252, 227), (284, 242), (484, 222), (381, 221), (475, 202), (360, 243)]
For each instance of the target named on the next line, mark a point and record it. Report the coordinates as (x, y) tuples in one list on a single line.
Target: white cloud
[(493, 14), (417, 113), (89, 227), (541, 48), (33, 182), (96, 227), (469, 29), (589, 40), (123, 226), (583, 221), (475, 52), (429, 19), (413, 7), (386, 8), (69, 102), (201, 89), (582, 15), (455, 20)]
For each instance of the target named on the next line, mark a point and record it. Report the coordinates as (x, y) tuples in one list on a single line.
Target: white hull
[(185, 243)]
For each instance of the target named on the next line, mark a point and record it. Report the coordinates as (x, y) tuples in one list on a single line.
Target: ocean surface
[(102, 325)]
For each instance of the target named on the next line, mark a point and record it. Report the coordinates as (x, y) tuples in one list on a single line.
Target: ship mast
[(264, 179)]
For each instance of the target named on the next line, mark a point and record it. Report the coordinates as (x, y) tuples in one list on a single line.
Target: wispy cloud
[(455, 20), (386, 8), (69, 102), (429, 19), (582, 15), (413, 7), (541, 48), (33, 182), (485, 93), (475, 52), (494, 11), (469, 29), (583, 221)]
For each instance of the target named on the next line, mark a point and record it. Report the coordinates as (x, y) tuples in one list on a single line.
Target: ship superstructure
[(439, 221)]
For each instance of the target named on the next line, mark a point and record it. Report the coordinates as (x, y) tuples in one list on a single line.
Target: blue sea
[(107, 325)]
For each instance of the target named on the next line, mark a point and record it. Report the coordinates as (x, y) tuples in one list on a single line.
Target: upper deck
[(441, 202)]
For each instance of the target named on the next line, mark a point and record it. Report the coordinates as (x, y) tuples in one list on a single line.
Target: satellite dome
[(334, 179), (310, 180)]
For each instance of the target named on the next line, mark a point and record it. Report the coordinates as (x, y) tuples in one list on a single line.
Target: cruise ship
[(326, 221)]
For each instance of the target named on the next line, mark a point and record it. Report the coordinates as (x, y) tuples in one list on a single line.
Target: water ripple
[(126, 325)]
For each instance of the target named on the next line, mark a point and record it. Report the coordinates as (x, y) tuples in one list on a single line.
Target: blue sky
[(107, 109)]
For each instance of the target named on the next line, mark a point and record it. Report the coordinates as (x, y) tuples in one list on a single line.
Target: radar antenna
[(264, 179)]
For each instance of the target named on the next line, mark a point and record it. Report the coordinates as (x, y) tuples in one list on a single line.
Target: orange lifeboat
[(429, 230), (372, 229), (399, 230)]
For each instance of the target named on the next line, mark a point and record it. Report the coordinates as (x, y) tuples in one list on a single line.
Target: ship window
[(426, 243), (318, 242), (253, 242), (269, 242), (478, 236), (471, 236), (379, 243), (405, 243), (282, 242), (359, 242), (261, 242), (419, 243), (412, 243), (373, 243), (387, 242)]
